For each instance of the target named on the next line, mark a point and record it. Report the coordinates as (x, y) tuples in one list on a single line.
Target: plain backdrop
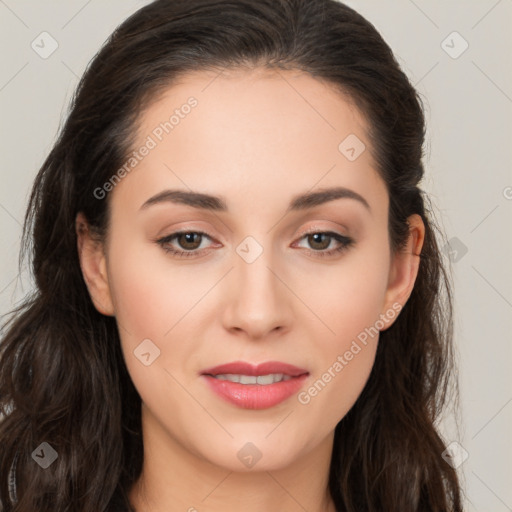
[(458, 55)]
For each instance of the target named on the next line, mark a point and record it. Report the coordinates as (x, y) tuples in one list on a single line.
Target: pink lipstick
[(255, 386)]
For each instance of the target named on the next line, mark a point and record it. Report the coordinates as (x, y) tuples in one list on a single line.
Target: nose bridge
[(258, 302)]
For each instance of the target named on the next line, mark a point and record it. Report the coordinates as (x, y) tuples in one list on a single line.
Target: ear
[(404, 269), (94, 266)]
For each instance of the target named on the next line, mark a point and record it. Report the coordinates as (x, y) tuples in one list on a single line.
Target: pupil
[(317, 239), (189, 239)]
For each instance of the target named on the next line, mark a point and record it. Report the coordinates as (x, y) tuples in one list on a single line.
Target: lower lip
[(255, 396)]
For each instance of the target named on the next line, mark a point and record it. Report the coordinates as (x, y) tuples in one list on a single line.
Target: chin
[(244, 455)]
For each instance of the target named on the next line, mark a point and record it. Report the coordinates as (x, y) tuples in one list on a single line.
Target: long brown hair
[(63, 379)]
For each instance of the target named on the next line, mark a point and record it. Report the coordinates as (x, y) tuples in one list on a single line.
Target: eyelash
[(345, 242)]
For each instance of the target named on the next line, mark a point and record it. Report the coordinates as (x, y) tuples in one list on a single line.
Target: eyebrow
[(218, 204)]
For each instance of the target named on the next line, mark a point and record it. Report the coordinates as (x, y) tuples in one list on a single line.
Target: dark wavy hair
[(63, 379)]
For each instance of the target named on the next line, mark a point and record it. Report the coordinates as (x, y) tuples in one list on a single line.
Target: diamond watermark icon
[(44, 455), (249, 455), (249, 249), (351, 147), (146, 352), (455, 454), (454, 45), (44, 45), (455, 249)]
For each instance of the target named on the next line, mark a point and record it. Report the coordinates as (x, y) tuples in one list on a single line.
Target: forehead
[(250, 131), (261, 101)]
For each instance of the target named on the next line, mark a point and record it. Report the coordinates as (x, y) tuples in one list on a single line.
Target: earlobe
[(94, 267), (404, 267)]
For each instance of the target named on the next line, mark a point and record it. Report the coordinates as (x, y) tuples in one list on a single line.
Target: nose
[(259, 302)]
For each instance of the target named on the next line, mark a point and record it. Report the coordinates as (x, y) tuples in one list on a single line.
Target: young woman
[(240, 303)]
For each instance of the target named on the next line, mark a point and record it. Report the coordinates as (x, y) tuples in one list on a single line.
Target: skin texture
[(256, 138)]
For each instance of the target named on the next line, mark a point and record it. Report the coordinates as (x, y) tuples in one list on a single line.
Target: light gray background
[(468, 103)]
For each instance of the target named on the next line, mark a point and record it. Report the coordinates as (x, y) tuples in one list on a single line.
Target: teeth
[(230, 377), (248, 379), (263, 380), (267, 379)]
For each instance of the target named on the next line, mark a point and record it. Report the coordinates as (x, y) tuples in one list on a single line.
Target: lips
[(255, 386), (243, 368)]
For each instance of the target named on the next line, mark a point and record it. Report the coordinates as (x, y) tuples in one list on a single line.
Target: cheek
[(151, 294), (157, 301), (154, 306), (350, 308), (348, 296)]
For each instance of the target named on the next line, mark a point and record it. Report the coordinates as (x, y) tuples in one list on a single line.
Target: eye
[(189, 240), (321, 240)]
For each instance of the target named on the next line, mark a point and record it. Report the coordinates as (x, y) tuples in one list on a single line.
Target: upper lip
[(243, 368)]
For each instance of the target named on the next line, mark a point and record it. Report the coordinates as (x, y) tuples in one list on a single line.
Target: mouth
[(262, 380), (255, 386)]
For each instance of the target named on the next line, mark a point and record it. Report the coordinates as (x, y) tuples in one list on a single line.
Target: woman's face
[(281, 156)]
